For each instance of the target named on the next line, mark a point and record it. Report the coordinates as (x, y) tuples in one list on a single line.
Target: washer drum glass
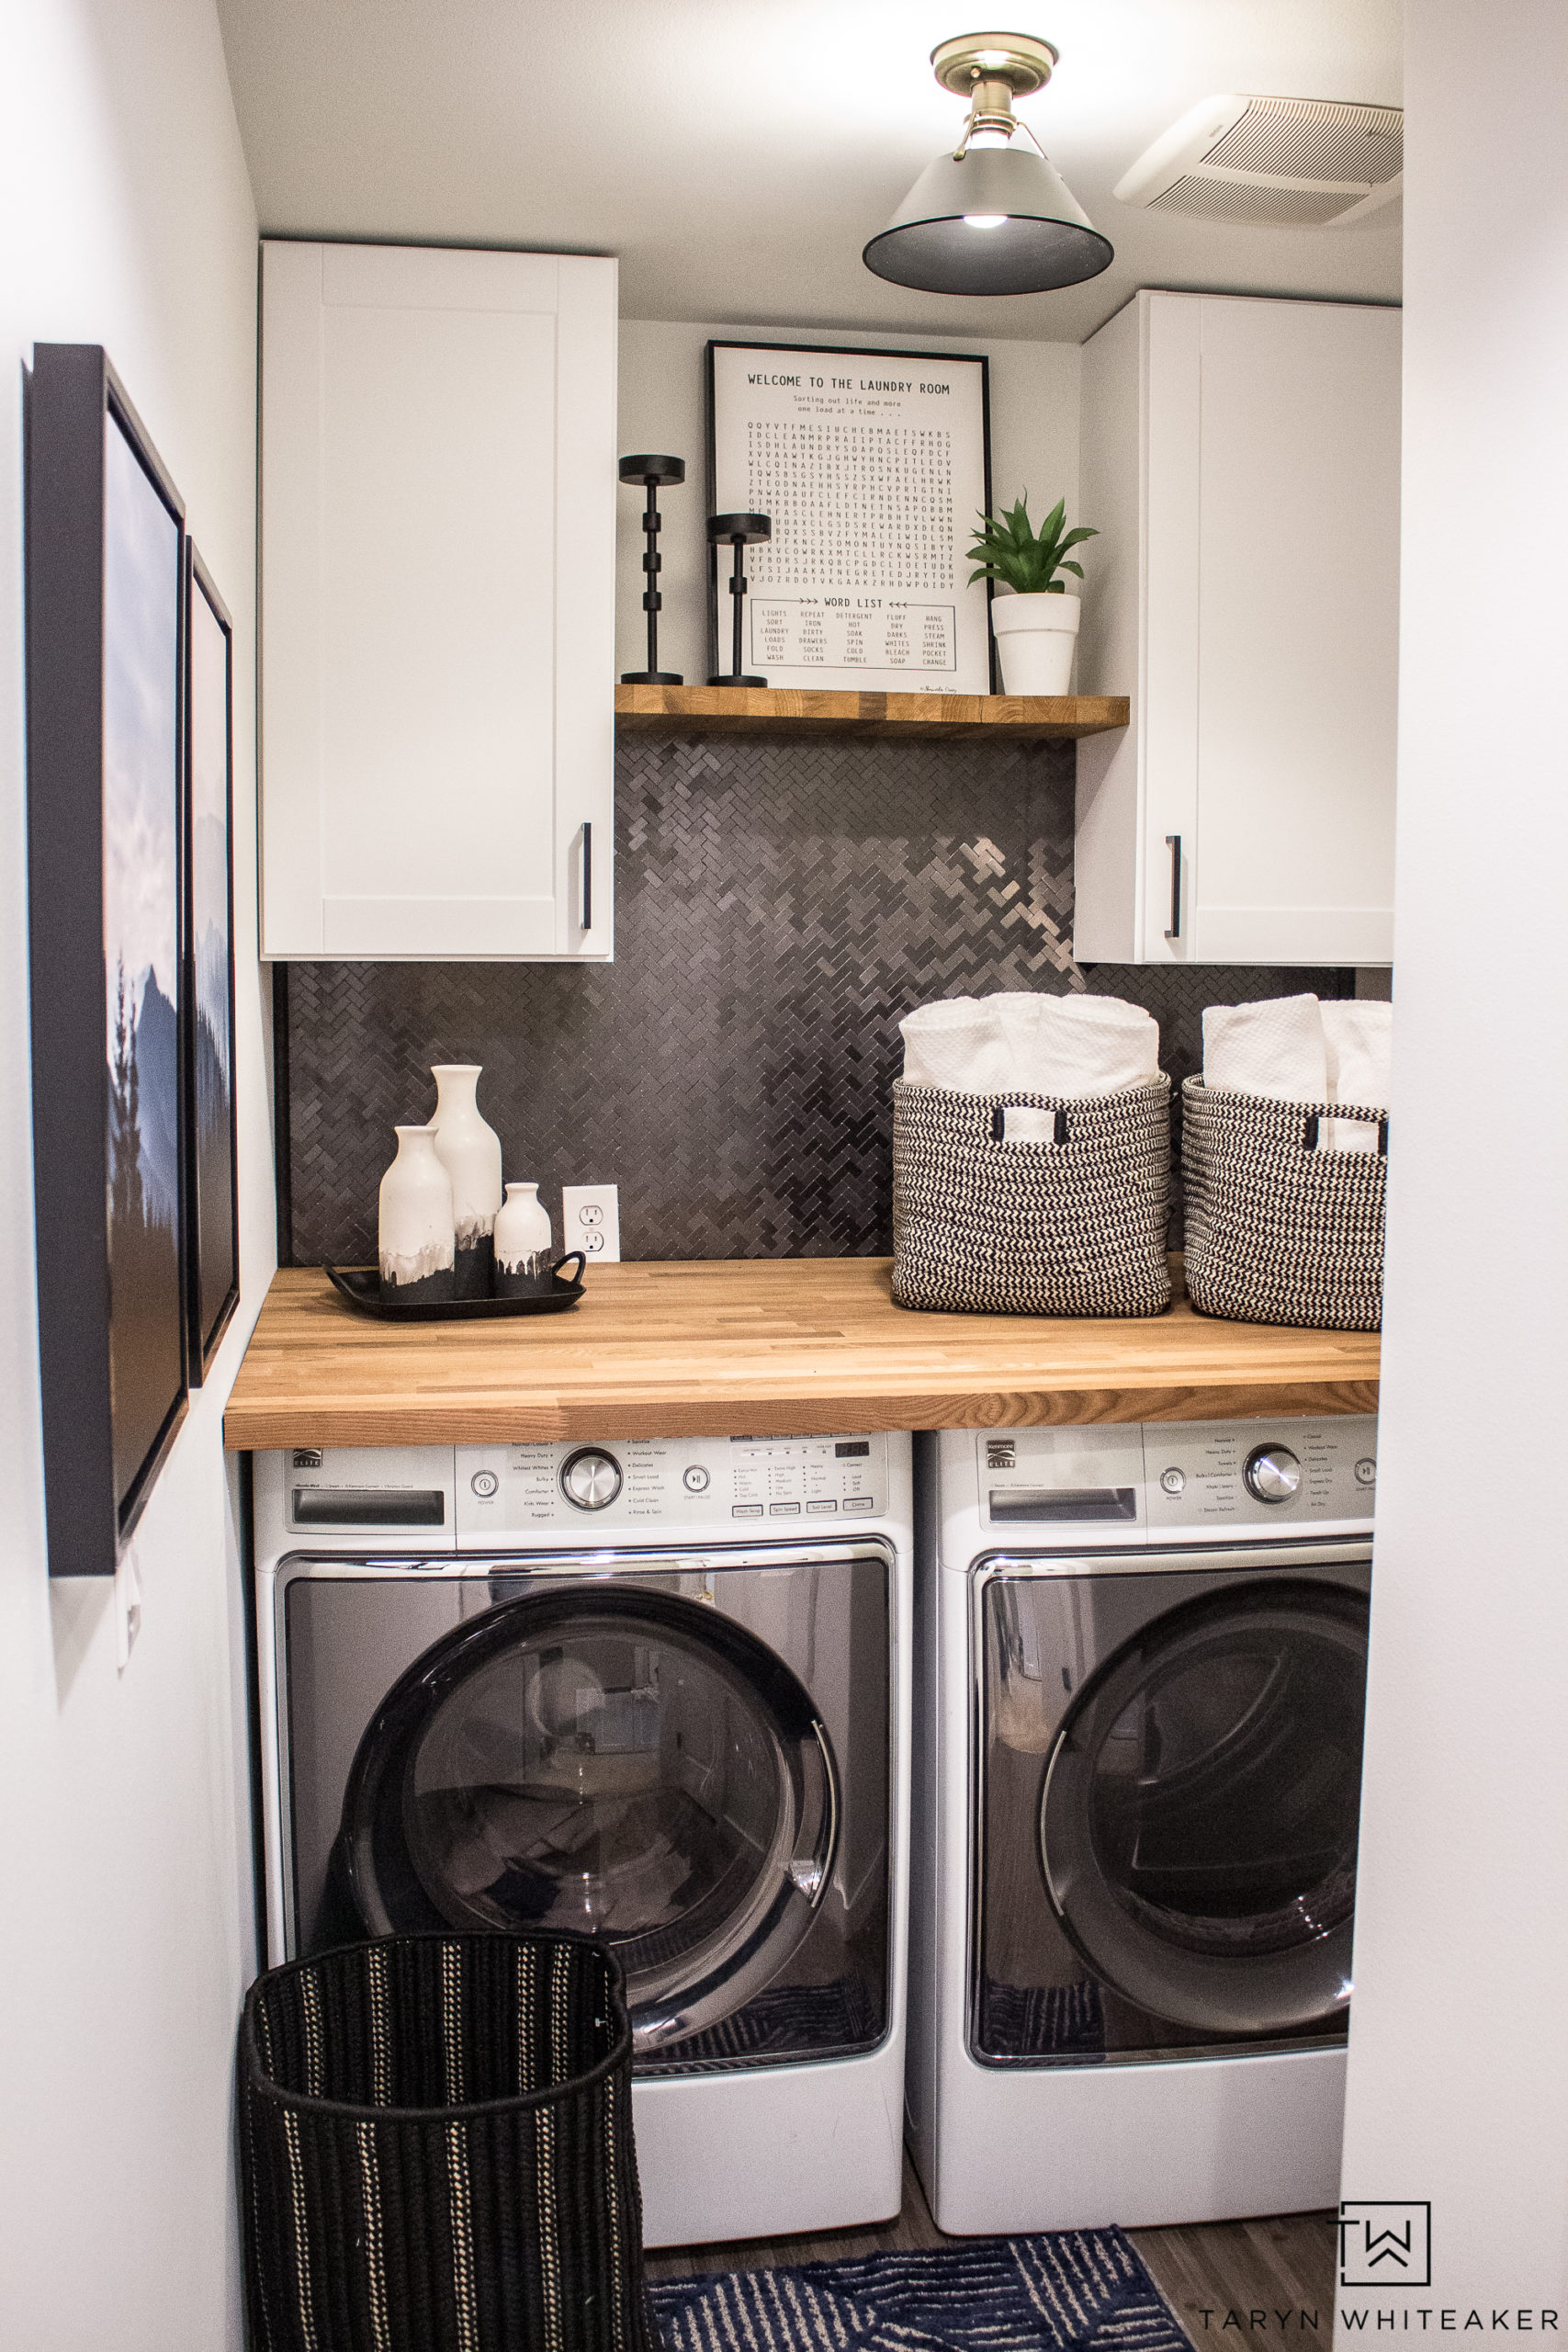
[(627, 1763)]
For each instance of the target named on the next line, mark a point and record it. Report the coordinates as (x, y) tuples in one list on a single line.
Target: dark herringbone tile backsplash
[(781, 905)]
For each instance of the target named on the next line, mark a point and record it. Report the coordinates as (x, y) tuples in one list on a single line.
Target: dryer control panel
[(1233, 1474), (1118, 1485), (743, 1484)]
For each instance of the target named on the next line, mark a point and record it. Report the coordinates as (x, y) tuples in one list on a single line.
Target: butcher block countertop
[(723, 1348)]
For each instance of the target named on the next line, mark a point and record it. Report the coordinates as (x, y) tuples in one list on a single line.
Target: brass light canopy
[(994, 217)]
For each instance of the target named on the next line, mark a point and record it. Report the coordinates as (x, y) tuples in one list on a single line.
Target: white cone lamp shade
[(995, 220)]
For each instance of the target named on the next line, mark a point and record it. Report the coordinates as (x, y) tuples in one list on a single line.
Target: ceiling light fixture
[(1039, 236)]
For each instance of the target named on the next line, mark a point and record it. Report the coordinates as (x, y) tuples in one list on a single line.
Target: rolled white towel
[(958, 1044), (1276, 1048), (1089, 1044), (1359, 1041), (1022, 1041)]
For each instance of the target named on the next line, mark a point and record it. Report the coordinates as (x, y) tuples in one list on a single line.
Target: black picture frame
[(212, 1171), (836, 351), (104, 569)]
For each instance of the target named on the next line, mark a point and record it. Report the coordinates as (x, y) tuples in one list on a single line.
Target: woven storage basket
[(1278, 1231), (437, 2154), (1076, 1227)]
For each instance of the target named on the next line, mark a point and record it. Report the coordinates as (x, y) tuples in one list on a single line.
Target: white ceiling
[(736, 155)]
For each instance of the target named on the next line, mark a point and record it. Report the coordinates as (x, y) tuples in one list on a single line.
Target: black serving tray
[(361, 1287)]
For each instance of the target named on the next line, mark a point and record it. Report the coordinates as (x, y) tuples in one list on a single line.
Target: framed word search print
[(874, 467)]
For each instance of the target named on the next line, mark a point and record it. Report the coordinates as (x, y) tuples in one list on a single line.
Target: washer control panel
[(747, 1486), (1117, 1484)]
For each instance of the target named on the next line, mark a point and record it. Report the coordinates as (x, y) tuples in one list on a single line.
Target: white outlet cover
[(591, 1221)]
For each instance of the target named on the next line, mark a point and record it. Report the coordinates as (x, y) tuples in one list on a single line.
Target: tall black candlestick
[(651, 471), (738, 531)]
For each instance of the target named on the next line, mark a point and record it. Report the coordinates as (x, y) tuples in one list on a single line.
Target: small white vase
[(470, 1150), (1035, 635), (523, 1244), (415, 1240)]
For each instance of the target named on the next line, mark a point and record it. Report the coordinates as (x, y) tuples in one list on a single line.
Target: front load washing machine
[(653, 1689), (1140, 1675)]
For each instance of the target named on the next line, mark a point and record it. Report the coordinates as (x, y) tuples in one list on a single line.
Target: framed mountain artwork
[(211, 1190), (105, 758)]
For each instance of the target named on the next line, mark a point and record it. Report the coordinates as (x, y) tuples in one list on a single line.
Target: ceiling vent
[(1272, 163)]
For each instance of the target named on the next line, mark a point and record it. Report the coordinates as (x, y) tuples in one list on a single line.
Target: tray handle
[(582, 1257)]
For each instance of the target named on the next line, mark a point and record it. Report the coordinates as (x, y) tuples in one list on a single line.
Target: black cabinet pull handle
[(1173, 844), (587, 878)]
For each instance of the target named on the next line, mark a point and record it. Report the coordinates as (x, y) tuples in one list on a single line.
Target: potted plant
[(1036, 626)]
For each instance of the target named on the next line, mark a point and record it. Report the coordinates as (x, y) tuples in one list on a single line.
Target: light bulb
[(985, 219)]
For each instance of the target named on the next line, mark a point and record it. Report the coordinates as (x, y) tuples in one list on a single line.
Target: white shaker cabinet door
[(438, 485), (1246, 455)]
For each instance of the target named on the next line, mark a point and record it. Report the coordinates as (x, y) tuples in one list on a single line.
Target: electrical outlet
[(590, 1219)]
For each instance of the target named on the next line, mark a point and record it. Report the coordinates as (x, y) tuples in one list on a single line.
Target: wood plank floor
[(1259, 2270)]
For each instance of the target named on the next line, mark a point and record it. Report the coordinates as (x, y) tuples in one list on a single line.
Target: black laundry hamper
[(436, 2150)]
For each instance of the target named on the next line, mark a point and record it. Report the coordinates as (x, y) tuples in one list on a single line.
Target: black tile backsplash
[(781, 905)]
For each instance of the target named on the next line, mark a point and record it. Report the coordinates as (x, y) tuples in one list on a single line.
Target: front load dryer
[(653, 1689), (1140, 1676)]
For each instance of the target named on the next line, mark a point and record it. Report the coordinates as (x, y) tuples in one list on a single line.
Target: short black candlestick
[(738, 531), (651, 472)]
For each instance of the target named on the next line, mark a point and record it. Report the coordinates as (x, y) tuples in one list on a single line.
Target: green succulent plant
[(1008, 547)]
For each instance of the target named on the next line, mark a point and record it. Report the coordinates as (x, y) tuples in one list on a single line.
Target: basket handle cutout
[(1000, 1121), (1343, 1111)]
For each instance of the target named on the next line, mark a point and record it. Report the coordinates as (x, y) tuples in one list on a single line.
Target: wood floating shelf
[(759, 1347), (789, 710)]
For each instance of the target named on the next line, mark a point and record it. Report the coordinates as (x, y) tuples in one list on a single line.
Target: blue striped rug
[(1064, 2291)]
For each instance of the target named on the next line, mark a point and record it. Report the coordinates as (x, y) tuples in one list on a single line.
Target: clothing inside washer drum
[(1199, 1808), (630, 1763)]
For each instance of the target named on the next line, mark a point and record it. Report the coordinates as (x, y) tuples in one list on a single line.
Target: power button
[(484, 1484)]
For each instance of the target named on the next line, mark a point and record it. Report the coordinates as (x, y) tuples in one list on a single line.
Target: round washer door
[(1199, 1812), (625, 1762)]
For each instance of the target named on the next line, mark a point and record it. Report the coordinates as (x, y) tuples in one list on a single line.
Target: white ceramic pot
[(1035, 636), (415, 1240), (470, 1150), (523, 1244)]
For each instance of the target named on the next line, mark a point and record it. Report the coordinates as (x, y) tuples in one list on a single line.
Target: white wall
[(1459, 2046), (1035, 447), (124, 1830)]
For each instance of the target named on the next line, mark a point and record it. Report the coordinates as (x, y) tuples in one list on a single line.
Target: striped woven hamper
[(437, 2152), (1278, 1231), (1073, 1226)]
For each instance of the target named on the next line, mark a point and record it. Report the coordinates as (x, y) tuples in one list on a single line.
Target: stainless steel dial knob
[(1273, 1474), (589, 1478)]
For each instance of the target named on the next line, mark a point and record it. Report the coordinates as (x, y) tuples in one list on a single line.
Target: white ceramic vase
[(1035, 635), (523, 1244), (470, 1150), (415, 1239)]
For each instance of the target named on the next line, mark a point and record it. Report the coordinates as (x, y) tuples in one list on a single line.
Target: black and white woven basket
[(1277, 1230), (436, 2154), (1073, 1226)]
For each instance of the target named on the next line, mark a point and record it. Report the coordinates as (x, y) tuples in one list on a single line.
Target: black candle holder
[(651, 472), (738, 531)]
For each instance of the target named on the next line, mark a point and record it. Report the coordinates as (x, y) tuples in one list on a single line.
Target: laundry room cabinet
[(437, 603), (1240, 458)]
